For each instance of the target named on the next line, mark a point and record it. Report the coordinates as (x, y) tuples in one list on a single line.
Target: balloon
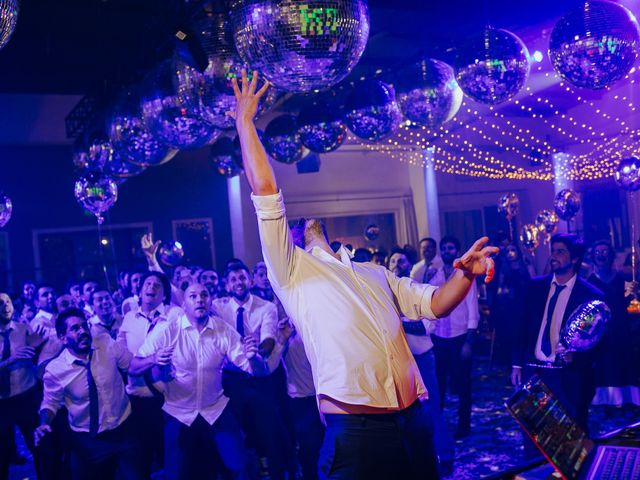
[(6, 208), (224, 157), (171, 253), (322, 129), (585, 326), (547, 222), (120, 167), (96, 192), (92, 152), (372, 110), (567, 204), (509, 205), (529, 237), (8, 17), (282, 139), (627, 174), (372, 232)]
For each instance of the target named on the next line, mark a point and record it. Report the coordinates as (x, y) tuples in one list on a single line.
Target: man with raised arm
[(348, 317)]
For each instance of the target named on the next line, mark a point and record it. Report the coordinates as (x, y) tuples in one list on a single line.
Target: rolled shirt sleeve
[(53, 394), (413, 299)]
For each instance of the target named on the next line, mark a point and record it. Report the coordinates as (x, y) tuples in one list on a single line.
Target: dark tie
[(5, 375), (240, 321), (153, 322), (94, 411), (545, 345)]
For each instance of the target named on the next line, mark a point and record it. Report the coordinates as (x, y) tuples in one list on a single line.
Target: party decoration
[(173, 106), (492, 67), (567, 204), (8, 18), (225, 158), (509, 205), (627, 174), (282, 139), (92, 152), (96, 192), (322, 129), (428, 93), (120, 167), (372, 110), (298, 45), (634, 307), (372, 232), (171, 253), (595, 44), (6, 208), (547, 222), (529, 237), (129, 134), (585, 326)]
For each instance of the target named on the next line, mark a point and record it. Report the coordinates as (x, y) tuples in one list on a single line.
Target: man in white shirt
[(88, 287), (430, 262), (453, 338), (86, 378), (104, 321), (134, 283), (348, 316), (45, 317), (188, 355)]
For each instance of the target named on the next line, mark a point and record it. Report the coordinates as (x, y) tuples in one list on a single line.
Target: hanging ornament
[(8, 19), (223, 156), (6, 208), (372, 112), (322, 128), (120, 167), (547, 222), (567, 204), (97, 193), (529, 237), (282, 139), (627, 175), (372, 232), (91, 152), (509, 205), (171, 253)]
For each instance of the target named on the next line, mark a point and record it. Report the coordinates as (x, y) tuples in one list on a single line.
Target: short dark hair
[(574, 244), (362, 255), (297, 232), (98, 290), (164, 280), (206, 270), (428, 239), (44, 285), (235, 267), (606, 243), (450, 239), (61, 319)]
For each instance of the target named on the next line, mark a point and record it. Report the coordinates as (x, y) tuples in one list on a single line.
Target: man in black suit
[(549, 302)]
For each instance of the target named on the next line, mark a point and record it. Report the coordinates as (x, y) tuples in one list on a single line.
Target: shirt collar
[(345, 258), (247, 305), (569, 284), (70, 358), (10, 326), (152, 314), (185, 324), (45, 314)]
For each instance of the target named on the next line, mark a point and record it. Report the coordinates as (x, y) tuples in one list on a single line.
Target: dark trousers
[(257, 403), (53, 449), (449, 364), (189, 449), (309, 432), (396, 445), (148, 418), (109, 455), (21, 411)]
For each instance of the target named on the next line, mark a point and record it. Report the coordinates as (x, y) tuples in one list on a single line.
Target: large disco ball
[(595, 44), (96, 192), (6, 208), (627, 174), (120, 167), (428, 93), (129, 134), (8, 18), (299, 45), (567, 204), (282, 139), (492, 67), (372, 112), (171, 253), (224, 157), (322, 128), (173, 108)]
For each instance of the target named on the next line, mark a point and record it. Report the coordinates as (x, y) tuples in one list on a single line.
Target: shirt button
[(391, 357), (384, 331)]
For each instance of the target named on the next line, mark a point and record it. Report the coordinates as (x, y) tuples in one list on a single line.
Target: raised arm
[(256, 163)]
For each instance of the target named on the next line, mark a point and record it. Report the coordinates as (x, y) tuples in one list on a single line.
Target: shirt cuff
[(269, 207), (425, 302)]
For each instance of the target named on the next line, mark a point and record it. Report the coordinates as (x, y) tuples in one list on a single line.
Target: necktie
[(240, 321), (94, 411), (153, 322), (5, 375), (545, 345)]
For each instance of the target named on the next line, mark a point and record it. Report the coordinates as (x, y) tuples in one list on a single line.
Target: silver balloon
[(372, 232), (8, 19), (225, 158), (492, 67), (627, 174), (322, 128), (529, 237), (6, 208), (171, 253), (372, 111), (509, 205), (120, 167), (595, 44), (282, 139), (547, 222), (428, 93), (92, 152), (96, 192), (567, 204), (585, 326)]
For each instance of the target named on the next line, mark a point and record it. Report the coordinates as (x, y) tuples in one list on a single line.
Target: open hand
[(285, 330), (22, 353), (40, 432), (247, 99), (149, 248), (477, 260)]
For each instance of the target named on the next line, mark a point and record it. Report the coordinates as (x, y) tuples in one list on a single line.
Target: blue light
[(537, 56)]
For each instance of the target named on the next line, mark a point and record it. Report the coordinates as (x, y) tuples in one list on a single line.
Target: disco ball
[(120, 167), (492, 67), (173, 106), (547, 222), (627, 174), (129, 134), (428, 93), (282, 139), (92, 152), (509, 205), (8, 18), (6, 208), (96, 192), (372, 110), (298, 45), (322, 128), (171, 253), (595, 44), (567, 204), (223, 154)]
